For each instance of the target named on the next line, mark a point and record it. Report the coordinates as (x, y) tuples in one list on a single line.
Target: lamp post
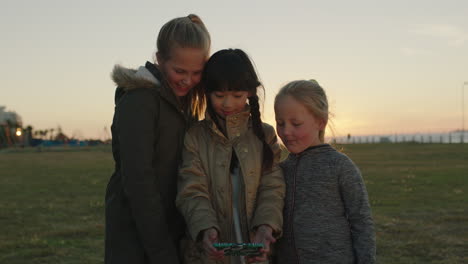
[(463, 112)]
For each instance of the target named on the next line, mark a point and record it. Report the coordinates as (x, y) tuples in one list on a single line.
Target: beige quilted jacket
[(204, 185)]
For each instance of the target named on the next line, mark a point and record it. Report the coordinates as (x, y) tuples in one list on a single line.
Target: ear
[(159, 58), (322, 124)]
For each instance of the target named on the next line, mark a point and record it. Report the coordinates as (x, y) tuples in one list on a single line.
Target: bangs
[(226, 71), (225, 81)]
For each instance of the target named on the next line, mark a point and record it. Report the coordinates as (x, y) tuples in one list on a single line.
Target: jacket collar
[(236, 125), (165, 90), (147, 77), (129, 79)]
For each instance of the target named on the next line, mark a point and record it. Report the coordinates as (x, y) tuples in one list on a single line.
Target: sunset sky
[(388, 66)]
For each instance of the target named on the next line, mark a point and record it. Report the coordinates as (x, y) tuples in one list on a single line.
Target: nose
[(187, 80), (227, 102), (287, 130)]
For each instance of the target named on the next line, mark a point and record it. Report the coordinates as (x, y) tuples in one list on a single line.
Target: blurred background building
[(11, 131)]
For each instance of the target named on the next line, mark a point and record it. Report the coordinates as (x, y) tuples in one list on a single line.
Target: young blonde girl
[(155, 104), (231, 188), (327, 217)]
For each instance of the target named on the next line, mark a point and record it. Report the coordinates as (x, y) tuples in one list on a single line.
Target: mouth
[(226, 113), (181, 90)]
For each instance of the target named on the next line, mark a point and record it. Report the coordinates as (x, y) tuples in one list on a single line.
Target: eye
[(179, 71), (218, 95), (280, 124), (297, 124), (239, 94)]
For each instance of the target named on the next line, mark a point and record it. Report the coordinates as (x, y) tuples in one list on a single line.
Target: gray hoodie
[(327, 217)]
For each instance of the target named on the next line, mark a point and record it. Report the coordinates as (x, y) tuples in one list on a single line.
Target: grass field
[(52, 202)]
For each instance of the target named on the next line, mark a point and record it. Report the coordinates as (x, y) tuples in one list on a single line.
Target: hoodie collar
[(313, 150)]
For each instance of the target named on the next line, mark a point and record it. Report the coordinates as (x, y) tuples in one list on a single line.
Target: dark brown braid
[(258, 130)]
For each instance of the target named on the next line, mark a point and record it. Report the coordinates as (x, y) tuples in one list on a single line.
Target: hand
[(210, 236), (262, 235)]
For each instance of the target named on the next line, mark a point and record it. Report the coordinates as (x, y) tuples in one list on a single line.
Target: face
[(297, 127), (226, 103), (183, 69)]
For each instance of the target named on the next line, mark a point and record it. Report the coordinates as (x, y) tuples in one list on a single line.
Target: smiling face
[(297, 127), (226, 103), (183, 68)]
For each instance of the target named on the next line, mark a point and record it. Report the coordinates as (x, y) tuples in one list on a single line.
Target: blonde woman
[(154, 106)]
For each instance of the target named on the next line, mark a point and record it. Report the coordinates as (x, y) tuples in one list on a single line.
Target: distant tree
[(44, 133), (61, 136), (28, 135)]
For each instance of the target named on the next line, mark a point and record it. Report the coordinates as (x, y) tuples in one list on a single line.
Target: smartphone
[(239, 249)]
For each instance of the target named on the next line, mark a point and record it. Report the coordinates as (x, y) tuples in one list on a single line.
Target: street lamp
[(463, 111)]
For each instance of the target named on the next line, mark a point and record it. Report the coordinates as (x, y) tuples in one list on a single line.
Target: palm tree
[(51, 133), (44, 133)]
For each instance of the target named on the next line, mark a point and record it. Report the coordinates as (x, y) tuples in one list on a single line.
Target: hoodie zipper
[(291, 214)]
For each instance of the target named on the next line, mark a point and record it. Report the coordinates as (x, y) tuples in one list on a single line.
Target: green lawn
[(419, 198), (52, 202), (52, 206)]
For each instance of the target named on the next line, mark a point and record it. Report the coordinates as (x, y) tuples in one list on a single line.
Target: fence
[(441, 138)]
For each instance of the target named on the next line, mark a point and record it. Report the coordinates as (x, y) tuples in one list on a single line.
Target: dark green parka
[(142, 222)]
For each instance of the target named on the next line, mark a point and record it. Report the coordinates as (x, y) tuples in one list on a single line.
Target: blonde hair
[(183, 32), (186, 32), (311, 95)]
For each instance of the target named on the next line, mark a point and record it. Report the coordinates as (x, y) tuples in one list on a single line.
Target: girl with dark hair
[(230, 188)]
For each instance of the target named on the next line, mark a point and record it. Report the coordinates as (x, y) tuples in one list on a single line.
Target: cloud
[(453, 35)]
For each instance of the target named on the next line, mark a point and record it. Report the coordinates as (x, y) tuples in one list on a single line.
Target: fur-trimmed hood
[(130, 79), (145, 77)]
